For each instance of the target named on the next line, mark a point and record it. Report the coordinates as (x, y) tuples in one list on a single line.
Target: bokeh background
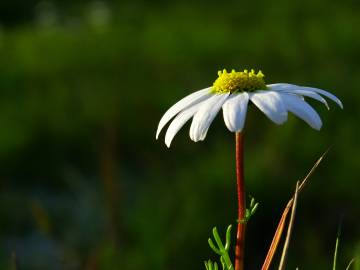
[(83, 84)]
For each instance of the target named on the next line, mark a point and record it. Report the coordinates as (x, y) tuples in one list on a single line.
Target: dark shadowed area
[(83, 85)]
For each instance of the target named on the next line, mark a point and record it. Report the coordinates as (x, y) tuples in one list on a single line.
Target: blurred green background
[(85, 185)]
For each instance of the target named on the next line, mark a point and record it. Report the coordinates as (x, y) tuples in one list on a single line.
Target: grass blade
[(336, 252), (337, 245), (350, 263)]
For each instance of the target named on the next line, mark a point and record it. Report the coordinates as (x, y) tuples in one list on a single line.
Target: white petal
[(305, 93), (281, 86), (270, 103), (302, 109), (179, 121), (289, 87), (234, 111), (184, 103), (326, 94), (205, 115)]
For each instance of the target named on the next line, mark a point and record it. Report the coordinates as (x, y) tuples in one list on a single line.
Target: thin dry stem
[(289, 231), (280, 227)]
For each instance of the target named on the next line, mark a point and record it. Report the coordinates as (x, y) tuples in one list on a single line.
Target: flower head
[(242, 81), (232, 92)]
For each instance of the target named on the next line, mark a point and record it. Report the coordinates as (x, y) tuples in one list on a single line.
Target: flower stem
[(240, 237)]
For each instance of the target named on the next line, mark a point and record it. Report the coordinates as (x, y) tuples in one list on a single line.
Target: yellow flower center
[(242, 81)]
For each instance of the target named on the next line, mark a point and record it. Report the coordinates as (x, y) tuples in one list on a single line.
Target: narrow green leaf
[(206, 265), (217, 239), (223, 264), (212, 246), (252, 202), (228, 238), (253, 210)]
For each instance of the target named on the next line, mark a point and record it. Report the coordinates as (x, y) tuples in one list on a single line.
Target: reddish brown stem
[(240, 237)]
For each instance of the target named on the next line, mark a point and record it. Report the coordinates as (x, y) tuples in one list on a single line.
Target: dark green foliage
[(84, 184)]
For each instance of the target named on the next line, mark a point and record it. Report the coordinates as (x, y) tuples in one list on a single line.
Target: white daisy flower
[(232, 92)]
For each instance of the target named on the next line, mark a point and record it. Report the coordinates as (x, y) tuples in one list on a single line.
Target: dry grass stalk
[(281, 225), (289, 231)]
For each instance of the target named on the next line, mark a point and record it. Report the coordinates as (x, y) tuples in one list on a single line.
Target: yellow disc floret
[(238, 81)]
